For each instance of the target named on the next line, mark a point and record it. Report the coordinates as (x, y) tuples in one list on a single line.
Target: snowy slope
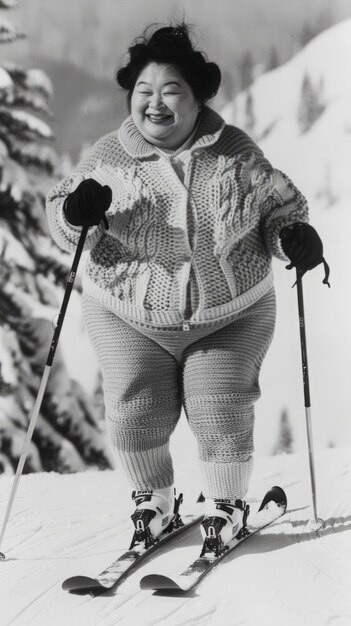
[(63, 525), (319, 163)]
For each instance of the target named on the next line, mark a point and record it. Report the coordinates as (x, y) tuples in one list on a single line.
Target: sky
[(95, 35)]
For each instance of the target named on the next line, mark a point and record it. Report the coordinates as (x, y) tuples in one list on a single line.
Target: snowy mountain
[(63, 525), (300, 114)]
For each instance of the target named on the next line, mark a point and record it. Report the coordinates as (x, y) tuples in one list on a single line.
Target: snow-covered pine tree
[(250, 120), (311, 105), (273, 59), (285, 437), (33, 272), (246, 70)]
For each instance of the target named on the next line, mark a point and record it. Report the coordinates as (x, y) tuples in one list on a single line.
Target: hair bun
[(169, 36), (172, 45)]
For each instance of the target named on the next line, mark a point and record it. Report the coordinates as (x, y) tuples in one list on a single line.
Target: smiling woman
[(168, 82), (178, 293)]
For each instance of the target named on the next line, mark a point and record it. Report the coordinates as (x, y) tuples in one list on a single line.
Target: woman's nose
[(156, 101)]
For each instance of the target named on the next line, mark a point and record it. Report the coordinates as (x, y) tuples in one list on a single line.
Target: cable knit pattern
[(149, 373), (217, 229)]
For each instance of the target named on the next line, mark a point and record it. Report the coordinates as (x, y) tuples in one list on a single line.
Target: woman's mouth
[(158, 118)]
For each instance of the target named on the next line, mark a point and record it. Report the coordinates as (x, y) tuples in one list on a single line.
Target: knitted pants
[(148, 374)]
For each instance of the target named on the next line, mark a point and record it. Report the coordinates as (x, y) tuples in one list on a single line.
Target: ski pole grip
[(69, 287)]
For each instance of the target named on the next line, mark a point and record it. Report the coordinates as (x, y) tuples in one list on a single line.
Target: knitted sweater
[(198, 250)]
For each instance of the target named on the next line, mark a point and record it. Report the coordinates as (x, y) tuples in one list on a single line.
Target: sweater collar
[(207, 133)]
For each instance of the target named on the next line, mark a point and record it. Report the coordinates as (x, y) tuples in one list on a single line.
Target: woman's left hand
[(304, 247)]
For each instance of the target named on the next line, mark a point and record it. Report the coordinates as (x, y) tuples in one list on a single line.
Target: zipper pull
[(186, 326)]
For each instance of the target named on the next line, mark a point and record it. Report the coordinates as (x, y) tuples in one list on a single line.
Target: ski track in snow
[(284, 576)]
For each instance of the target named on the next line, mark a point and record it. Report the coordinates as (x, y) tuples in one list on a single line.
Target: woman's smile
[(159, 119)]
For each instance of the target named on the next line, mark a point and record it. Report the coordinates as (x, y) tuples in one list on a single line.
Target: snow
[(7, 31), (37, 79), (77, 348), (64, 525), (8, 368), (33, 123), (9, 4), (5, 80), (13, 251), (318, 162)]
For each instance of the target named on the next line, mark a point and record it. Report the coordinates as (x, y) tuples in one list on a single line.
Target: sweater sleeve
[(66, 235), (282, 204)]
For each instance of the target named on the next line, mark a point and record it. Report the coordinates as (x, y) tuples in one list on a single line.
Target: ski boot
[(223, 521), (156, 512)]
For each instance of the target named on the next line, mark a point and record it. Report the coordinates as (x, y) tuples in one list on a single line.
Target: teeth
[(157, 117)]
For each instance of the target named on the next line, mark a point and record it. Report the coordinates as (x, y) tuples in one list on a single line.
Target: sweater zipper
[(187, 311)]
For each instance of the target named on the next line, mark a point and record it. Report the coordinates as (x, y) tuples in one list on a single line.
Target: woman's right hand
[(87, 205)]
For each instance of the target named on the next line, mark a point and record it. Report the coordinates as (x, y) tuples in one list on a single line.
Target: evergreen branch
[(6, 85), (42, 157), (34, 79), (8, 33), (34, 102), (8, 4), (24, 125)]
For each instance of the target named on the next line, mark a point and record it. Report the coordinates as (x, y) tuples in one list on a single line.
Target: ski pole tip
[(316, 524), (2, 556)]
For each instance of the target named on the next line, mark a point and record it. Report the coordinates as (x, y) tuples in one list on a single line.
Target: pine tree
[(311, 104), (246, 70), (32, 273), (250, 120), (285, 437), (273, 59)]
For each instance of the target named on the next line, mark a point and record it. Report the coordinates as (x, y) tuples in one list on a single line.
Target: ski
[(126, 563), (272, 507)]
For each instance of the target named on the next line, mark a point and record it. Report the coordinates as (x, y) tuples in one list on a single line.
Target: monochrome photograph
[(175, 215)]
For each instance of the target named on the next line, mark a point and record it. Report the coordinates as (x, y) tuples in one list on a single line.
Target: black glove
[(87, 205), (302, 244)]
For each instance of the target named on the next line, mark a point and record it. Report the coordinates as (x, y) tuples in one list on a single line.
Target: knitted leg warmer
[(147, 469), (220, 382), (142, 399)]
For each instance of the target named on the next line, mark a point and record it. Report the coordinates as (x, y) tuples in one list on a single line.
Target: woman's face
[(163, 106)]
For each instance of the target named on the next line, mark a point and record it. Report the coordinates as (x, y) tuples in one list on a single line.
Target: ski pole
[(316, 522), (44, 381)]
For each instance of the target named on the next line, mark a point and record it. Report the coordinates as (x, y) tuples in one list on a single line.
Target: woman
[(178, 292)]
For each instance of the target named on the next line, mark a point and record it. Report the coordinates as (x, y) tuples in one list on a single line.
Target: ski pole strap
[(300, 273), (326, 272)]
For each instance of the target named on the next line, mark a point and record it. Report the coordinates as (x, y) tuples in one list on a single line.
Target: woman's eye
[(171, 93)]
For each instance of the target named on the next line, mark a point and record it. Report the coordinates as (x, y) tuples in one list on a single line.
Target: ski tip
[(157, 582), (275, 494), (81, 584)]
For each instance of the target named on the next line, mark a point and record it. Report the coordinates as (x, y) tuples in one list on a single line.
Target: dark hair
[(171, 44)]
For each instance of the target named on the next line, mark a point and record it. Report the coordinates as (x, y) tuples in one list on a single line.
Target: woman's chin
[(160, 137)]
